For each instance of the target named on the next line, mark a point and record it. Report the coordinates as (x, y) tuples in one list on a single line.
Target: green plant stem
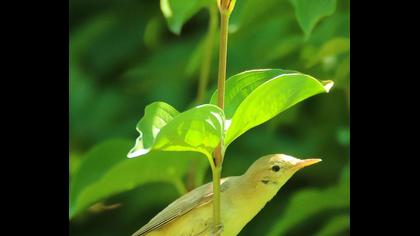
[(224, 21), (219, 154), (216, 198)]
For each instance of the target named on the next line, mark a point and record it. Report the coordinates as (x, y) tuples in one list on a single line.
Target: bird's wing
[(195, 198)]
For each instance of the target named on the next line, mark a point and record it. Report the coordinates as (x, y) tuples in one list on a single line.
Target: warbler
[(242, 197)]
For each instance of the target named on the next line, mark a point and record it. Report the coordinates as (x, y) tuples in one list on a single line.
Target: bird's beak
[(306, 162)]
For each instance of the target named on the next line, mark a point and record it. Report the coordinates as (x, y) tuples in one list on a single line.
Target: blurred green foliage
[(124, 55)]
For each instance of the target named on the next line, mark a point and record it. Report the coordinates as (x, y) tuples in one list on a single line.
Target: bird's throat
[(243, 200)]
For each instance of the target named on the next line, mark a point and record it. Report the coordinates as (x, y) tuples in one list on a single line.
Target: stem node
[(225, 7)]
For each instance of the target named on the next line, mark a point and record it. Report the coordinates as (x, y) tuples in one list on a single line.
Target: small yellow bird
[(242, 197)]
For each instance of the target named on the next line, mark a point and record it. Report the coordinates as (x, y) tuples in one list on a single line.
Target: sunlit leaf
[(177, 12), (254, 97), (156, 116), (106, 171), (163, 128), (309, 12), (309, 202)]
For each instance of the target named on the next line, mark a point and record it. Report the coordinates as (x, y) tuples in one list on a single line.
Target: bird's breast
[(237, 210)]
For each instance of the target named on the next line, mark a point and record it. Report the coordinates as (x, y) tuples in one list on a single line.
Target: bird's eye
[(275, 168)]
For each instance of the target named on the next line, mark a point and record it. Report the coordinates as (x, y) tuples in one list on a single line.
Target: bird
[(241, 198)]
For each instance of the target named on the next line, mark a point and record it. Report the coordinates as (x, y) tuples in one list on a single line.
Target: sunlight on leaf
[(254, 97), (163, 128), (156, 116)]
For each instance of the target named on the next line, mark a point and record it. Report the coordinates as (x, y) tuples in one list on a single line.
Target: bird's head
[(274, 170)]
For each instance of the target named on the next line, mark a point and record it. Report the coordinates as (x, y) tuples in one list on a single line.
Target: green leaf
[(254, 97), (105, 171), (336, 226), (157, 115), (165, 129), (309, 202), (177, 12), (309, 12)]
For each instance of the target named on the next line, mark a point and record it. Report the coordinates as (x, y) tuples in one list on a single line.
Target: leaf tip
[(175, 29), (135, 153), (131, 155), (328, 84)]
